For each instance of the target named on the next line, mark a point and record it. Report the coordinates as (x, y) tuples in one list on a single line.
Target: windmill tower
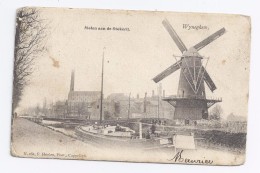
[(190, 102)]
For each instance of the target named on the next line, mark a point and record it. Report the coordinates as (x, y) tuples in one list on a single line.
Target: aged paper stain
[(55, 63)]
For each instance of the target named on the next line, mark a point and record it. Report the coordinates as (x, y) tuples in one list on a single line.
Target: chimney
[(153, 93), (137, 96), (160, 90), (145, 102), (72, 80), (163, 93)]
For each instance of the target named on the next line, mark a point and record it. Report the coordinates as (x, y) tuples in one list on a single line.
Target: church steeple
[(72, 80)]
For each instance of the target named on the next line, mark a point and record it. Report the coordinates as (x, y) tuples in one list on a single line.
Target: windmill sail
[(209, 81), (209, 39), (167, 72), (174, 35)]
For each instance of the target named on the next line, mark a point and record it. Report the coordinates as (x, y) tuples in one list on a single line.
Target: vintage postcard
[(134, 86)]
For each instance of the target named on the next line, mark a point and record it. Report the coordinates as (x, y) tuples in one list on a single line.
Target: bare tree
[(216, 113), (30, 33)]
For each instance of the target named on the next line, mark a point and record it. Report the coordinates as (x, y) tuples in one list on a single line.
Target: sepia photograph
[(130, 86)]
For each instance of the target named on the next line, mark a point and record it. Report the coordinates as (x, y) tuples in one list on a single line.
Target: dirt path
[(33, 140)]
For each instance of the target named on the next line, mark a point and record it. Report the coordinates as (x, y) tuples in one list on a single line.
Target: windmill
[(190, 102)]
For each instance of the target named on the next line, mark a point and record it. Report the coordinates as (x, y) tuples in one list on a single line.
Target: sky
[(133, 58)]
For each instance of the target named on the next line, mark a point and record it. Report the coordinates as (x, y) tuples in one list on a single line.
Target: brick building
[(80, 102)]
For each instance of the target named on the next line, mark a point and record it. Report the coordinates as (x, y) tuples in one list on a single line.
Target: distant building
[(118, 105), (60, 109), (154, 107), (87, 105), (80, 102)]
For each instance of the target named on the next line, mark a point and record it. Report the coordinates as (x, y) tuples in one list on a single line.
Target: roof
[(117, 97), (192, 52), (80, 96), (85, 92)]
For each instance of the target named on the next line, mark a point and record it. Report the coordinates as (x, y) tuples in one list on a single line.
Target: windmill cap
[(191, 52)]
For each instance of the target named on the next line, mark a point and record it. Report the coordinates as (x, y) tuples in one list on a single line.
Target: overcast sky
[(133, 58)]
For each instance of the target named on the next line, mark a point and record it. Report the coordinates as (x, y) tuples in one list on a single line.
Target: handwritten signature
[(178, 158)]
